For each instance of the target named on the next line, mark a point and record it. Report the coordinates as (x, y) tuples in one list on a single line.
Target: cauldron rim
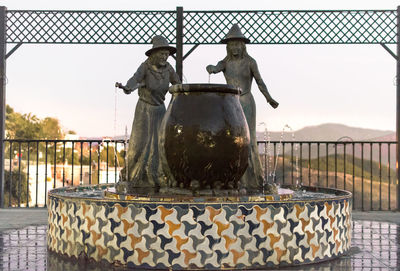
[(204, 87)]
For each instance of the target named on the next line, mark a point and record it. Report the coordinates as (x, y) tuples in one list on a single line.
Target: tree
[(18, 188), (28, 126), (50, 129)]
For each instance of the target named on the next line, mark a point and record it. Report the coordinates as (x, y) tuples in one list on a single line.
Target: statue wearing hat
[(152, 79), (239, 70)]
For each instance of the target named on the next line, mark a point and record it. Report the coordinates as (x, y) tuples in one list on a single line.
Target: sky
[(314, 84)]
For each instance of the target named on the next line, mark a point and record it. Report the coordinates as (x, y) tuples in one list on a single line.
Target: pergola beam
[(3, 51)]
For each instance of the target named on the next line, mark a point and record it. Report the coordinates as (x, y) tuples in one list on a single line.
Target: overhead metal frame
[(195, 27)]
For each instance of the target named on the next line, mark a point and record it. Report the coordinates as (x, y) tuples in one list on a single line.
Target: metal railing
[(32, 167), (366, 168)]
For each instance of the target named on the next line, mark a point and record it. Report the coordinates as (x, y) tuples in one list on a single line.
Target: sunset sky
[(314, 84)]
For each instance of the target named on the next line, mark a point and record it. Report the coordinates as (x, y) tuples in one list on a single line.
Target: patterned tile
[(187, 235)]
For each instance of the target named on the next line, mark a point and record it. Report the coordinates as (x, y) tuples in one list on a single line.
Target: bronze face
[(235, 48), (159, 58)]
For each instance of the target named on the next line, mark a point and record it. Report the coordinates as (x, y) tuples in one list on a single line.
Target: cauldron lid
[(219, 88)]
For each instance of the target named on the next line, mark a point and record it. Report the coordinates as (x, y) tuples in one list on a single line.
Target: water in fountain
[(269, 156), (297, 183), (267, 172), (126, 150)]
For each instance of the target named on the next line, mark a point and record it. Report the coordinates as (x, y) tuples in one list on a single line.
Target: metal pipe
[(327, 165), (309, 163), (55, 164), (81, 161), (107, 162), (371, 173), (3, 48), (389, 177), (265, 162), (27, 177), (37, 175), (179, 41), (115, 160), (63, 172), (283, 163), (354, 181), (398, 109), (98, 163), (318, 154), (45, 177), (19, 170), (10, 180), (291, 161), (380, 176), (301, 164), (344, 166), (362, 177), (336, 165), (72, 164), (90, 162)]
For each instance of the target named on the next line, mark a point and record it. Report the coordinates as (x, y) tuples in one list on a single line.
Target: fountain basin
[(146, 233)]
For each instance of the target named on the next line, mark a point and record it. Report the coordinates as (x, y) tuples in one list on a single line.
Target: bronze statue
[(239, 70), (152, 79)]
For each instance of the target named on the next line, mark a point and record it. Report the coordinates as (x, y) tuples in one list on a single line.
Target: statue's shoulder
[(170, 68), (251, 60), (144, 66)]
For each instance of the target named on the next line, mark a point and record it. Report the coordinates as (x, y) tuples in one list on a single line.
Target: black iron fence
[(366, 168)]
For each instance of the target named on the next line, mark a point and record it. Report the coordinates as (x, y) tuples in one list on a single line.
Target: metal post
[(179, 41), (2, 98), (398, 109)]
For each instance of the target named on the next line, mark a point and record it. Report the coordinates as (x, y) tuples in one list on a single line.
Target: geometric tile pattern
[(375, 245), (200, 235)]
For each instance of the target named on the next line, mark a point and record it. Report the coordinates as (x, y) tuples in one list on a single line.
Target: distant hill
[(330, 132), (333, 132)]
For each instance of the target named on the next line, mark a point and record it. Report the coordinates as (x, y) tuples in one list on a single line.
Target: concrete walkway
[(16, 218), (380, 216)]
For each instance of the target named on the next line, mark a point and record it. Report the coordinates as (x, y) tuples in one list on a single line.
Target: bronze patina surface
[(204, 137), (239, 70), (152, 79)]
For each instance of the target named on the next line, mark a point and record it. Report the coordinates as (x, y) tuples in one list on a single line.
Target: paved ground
[(20, 218), (375, 244)]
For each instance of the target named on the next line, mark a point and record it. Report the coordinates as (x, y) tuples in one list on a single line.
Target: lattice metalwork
[(202, 27), (293, 27), (101, 27)]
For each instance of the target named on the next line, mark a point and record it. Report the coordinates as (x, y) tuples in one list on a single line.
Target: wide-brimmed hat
[(159, 42), (235, 34)]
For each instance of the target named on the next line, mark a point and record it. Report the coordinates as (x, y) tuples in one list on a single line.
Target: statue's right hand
[(124, 88), (210, 69)]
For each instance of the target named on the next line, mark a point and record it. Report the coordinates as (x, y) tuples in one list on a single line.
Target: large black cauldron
[(204, 137)]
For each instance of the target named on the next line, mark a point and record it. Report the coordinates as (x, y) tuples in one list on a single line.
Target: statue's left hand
[(210, 69), (273, 103)]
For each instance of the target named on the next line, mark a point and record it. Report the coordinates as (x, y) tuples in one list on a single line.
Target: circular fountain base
[(145, 232)]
